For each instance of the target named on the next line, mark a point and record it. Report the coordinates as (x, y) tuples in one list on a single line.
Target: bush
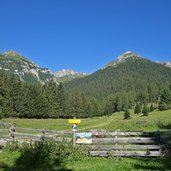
[(49, 155)]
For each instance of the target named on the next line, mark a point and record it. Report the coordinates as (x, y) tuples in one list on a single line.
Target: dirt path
[(107, 122)]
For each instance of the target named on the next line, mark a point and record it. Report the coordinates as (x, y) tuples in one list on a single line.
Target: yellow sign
[(74, 121)]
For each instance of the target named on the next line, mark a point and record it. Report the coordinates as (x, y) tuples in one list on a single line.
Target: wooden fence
[(103, 143), (9, 134), (126, 144)]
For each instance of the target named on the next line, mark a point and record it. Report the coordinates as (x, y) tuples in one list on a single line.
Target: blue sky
[(84, 35)]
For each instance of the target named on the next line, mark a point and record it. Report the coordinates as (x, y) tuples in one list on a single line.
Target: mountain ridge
[(13, 62)]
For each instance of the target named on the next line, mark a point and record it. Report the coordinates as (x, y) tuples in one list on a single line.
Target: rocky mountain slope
[(67, 75), (167, 64), (12, 62)]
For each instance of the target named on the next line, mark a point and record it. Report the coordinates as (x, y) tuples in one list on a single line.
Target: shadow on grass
[(40, 157), (163, 125), (154, 164)]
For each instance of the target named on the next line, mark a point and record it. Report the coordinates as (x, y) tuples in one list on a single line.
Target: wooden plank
[(123, 140), (163, 131), (124, 133), (41, 137), (44, 131), (121, 147), (126, 153), (4, 130), (137, 153), (165, 138), (99, 153), (6, 124), (60, 139), (31, 136), (4, 136)]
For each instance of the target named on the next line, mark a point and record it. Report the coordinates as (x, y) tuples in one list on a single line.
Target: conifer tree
[(126, 114), (61, 101), (51, 94), (137, 109), (165, 100), (145, 110), (151, 107)]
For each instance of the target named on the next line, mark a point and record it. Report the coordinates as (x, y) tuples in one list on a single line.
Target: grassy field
[(156, 120), (14, 162)]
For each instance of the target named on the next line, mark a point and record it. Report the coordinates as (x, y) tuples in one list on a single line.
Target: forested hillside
[(19, 99), (125, 83), (121, 85)]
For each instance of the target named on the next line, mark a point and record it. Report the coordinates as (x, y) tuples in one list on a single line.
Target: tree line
[(20, 99)]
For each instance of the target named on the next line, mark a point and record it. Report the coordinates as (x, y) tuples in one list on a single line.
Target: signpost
[(74, 123)]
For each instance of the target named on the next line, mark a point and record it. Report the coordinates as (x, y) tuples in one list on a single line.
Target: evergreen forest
[(136, 83)]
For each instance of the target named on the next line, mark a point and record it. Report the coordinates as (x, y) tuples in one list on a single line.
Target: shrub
[(45, 155)]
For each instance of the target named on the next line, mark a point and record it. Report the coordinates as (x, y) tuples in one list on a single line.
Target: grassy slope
[(155, 121)]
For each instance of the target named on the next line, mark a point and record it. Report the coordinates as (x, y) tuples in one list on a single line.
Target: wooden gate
[(143, 144)]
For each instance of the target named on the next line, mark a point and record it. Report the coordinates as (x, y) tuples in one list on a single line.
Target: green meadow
[(156, 120), (11, 158)]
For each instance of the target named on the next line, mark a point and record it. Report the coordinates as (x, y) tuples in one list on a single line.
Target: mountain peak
[(127, 54), (122, 58), (11, 53)]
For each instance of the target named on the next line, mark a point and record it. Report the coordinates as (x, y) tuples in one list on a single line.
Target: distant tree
[(5, 101), (61, 100), (165, 100), (137, 109), (127, 114), (52, 97), (145, 110), (93, 107), (151, 107)]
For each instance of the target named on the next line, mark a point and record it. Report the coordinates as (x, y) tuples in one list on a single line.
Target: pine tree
[(5, 101), (145, 110), (137, 109), (127, 114), (52, 97), (151, 107), (61, 101), (93, 107), (165, 100)]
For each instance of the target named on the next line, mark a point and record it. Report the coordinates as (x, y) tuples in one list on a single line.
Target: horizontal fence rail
[(20, 137)]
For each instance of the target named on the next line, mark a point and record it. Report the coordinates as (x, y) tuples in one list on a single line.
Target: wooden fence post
[(11, 132), (159, 140), (74, 138), (43, 134)]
